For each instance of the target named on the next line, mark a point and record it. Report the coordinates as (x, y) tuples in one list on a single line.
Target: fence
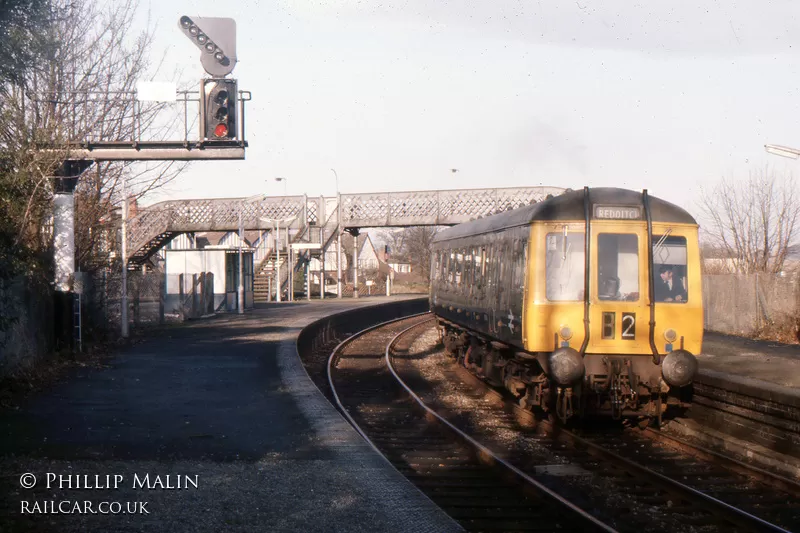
[(153, 298), (752, 305)]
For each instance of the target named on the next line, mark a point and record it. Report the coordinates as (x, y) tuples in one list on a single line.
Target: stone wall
[(26, 323)]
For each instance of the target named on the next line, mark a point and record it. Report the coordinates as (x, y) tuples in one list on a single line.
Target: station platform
[(771, 362), (216, 425), (746, 402), (764, 370)]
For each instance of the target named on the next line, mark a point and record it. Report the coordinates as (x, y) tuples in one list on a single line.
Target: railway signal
[(216, 37), (218, 117)]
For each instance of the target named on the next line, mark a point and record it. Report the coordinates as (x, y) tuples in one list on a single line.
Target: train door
[(619, 312)]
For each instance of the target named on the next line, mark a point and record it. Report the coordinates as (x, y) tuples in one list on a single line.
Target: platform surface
[(771, 362), (223, 403)]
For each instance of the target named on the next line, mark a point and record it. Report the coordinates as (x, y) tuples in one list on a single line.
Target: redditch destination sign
[(617, 212)]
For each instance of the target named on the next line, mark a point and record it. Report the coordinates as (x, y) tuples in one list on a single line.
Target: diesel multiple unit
[(589, 302)]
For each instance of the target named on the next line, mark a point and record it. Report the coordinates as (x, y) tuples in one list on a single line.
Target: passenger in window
[(669, 289)]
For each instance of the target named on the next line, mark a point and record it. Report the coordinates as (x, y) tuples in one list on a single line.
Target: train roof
[(604, 203)]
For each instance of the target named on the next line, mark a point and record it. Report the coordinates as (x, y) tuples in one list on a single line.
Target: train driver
[(669, 289)]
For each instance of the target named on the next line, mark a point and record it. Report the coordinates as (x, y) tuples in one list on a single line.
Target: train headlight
[(565, 332), (671, 335)]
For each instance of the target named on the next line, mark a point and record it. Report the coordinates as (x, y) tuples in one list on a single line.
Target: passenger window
[(467, 271), (670, 281), (520, 254), (618, 267), (564, 266), (451, 267)]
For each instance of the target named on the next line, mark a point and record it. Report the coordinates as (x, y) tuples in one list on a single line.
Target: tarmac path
[(223, 404)]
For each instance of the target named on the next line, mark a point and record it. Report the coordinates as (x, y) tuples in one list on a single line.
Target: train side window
[(504, 286), (467, 271), (565, 265), (459, 267), (618, 266), (670, 279), (451, 267), (520, 253), (473, 274)]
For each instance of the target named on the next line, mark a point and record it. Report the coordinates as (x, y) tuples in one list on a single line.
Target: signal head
[(218, 98)]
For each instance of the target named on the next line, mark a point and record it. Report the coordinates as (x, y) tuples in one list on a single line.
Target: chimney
[(133, 206)]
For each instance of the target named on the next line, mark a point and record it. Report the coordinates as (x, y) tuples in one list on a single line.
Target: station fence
[(753, 305)]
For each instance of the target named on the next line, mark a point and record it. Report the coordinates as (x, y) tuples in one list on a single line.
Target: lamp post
[(124, 295), (783, 151), (337, 181), (338, 238), (284, 184), (240, 292)]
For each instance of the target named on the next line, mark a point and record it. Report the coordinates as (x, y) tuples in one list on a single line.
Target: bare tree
[(754, 223), (80, 89), (395, 239), (418, 246)]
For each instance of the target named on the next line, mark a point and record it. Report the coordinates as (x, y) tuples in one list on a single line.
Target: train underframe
[(616, 386)]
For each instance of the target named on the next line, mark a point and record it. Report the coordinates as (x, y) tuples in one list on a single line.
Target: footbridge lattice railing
[(155, 225)]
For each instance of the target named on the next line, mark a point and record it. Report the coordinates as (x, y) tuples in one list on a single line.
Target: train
[(605, 326)]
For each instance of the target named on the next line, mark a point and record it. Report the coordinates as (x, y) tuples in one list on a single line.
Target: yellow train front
[(608, 324)]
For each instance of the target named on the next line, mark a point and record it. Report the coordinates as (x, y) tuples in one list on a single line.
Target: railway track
[(704, 489), (477, 488), (682, 487)]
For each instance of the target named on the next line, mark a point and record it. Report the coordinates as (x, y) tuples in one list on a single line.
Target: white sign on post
[(156, 91)]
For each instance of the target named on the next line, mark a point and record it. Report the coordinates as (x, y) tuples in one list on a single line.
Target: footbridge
[(317, 220)]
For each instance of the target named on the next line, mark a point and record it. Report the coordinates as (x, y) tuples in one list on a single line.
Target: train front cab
[(622, 376)]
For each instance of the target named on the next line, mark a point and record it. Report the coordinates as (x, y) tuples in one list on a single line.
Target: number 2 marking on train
[(629, 326)]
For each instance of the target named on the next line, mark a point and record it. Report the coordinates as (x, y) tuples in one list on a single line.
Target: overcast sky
[(667, 97)]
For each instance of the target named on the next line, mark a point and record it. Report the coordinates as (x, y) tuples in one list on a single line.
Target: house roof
[(213, 238), (347, 243)]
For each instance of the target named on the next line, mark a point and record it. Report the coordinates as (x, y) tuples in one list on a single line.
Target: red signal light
[(221, 130)]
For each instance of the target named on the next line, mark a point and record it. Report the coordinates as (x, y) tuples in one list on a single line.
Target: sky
[(666, 96)]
